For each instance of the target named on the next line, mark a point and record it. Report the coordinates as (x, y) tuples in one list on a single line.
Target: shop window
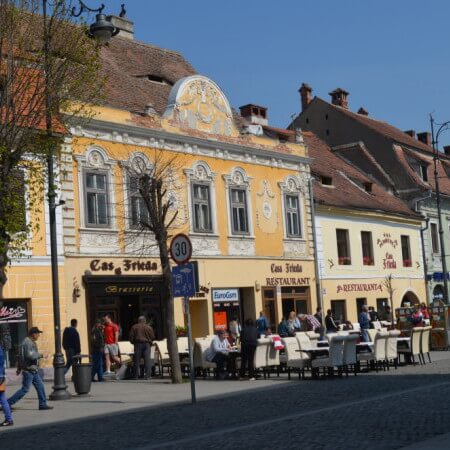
[(292, 210), (434, 237), (360, 302), (367, 248), (406, 251), (343, 247), (96, 198), (239, 214), (139, 214), (381, 305), (201, 205), (339, 310)]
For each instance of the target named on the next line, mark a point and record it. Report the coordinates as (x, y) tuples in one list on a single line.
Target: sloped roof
[(347, 190), (127, 64)]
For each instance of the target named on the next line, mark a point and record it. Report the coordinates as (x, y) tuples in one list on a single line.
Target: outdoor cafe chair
[(183, 351), (260, 358), (414, 346), (162, 356), (273, 358), (391, 348), (295, 359), (350, 359), (303, 339), (425, 343), (200, 361), (378, 355), (334, 359), (372, 333), (313, 337)]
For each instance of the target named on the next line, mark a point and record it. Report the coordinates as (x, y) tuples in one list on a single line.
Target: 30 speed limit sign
[(181, 248)]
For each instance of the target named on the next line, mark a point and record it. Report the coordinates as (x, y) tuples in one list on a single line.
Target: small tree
[(49, 74), (153, 187), (387, 283)]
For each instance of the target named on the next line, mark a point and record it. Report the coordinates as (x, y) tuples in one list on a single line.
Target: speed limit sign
[(181, 248)]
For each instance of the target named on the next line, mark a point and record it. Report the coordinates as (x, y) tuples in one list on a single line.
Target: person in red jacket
[(111, 333)]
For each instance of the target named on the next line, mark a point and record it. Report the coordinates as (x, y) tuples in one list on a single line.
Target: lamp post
[(102, 30), (435, 143)]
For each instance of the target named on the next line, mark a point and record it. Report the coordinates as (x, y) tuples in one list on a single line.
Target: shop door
[(295, 299), (151, 309), (339, 311), (269, 308), (224, 314), (360, 302), (129, 313)]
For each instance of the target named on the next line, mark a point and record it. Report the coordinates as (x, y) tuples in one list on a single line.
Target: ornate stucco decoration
[(197, 102), (266, 208)]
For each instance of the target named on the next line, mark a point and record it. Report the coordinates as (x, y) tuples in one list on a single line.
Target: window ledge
[(294, 239), (204, 235), (96, 230), (241, 236)]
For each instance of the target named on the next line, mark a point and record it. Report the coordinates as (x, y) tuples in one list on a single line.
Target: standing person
[(29, 366), (364, 323), (98, 348), (249, 338), (374, 317), (3, 402), (330, 324), (318, 314), (111, 334), (310, 323), (71, 343), (218, 353), (262, 323), (142, 337), (235, 328)]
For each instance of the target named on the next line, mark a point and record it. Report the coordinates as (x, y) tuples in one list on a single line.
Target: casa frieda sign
[(12, 314), (359, 287), (126, 265)]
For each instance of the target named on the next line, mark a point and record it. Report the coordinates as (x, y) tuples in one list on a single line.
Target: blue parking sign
[(183, 280)]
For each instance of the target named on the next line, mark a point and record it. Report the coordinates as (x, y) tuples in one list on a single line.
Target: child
[(5, 405)]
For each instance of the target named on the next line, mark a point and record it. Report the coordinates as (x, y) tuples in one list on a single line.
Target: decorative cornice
[(146, 137)]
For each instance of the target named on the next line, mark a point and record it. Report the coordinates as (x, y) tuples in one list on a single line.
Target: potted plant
[(181, 331)]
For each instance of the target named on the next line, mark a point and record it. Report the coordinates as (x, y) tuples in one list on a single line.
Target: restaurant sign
[(361, 287), (12, 314), (127, 265)]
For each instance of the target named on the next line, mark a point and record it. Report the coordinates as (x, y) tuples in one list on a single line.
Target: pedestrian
[(249, 337), (142, 337), (111, 334), (98, 348), (318, 314), (262, 323), (71, 343), (3, 402), (29, 357), (330, 324), (235, 328), (364, 323)]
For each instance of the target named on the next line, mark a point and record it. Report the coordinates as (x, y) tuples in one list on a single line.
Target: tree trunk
[(169, 311)]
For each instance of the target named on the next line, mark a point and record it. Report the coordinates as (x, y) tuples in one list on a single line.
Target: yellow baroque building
[(239, 186)]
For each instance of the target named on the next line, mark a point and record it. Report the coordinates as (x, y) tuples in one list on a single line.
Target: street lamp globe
[(102, 30)]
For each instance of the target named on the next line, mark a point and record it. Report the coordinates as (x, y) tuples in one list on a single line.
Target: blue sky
[(392, 56)]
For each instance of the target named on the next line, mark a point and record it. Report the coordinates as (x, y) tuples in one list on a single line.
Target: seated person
[(347, 326), (218, 352)]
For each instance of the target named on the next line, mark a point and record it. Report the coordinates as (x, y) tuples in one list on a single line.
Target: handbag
[(3, 387)]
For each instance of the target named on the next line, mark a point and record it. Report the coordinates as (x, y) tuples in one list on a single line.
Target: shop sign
[(127, 265), (286, 267), (225, 295), (361, 287), (12, 314), (114, 289), (287, 281), (201, 293), (389, 262), (387, 240)]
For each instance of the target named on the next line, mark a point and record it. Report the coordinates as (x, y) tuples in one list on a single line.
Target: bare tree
[(387, 283), (49, 74)]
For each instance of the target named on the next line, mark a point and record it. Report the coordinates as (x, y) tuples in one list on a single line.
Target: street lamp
[(435, 143), (102, 30)]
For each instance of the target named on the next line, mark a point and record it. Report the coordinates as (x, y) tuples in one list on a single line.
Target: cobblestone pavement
[(388, 410)]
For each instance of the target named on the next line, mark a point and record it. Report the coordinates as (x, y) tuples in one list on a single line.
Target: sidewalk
[(441, 442)]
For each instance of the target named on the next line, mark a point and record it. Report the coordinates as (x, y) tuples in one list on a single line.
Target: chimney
[(125, 26), (255, 114), (411, 133), (363, 111), (447, 150), (305, 95), (339, 97), (424, 137)]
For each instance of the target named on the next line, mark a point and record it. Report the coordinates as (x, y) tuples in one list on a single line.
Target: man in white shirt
[(218, 352)]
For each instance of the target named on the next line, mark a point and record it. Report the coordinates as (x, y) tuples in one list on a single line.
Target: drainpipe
[(424, 258), (316, 253)]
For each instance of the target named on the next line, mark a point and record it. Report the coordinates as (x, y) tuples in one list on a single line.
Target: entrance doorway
[(295, 299), (269, 306), (410, 298)]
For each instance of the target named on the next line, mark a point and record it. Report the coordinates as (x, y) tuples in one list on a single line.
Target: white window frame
[(96, 159), (238, 179), (292, 185), (437, 239), (201, 173)]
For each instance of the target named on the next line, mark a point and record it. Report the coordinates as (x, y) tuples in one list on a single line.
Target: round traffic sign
[(181, 248)]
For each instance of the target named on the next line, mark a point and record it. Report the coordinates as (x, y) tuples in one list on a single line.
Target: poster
[(220, 320)]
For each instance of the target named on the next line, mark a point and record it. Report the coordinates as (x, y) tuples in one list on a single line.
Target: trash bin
[(82, 377)]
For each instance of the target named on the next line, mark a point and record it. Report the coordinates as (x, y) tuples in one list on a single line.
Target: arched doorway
[(438, 292), (410, 298)]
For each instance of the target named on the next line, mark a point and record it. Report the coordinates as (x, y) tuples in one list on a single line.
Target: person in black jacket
[(249, 336), (71, 343)]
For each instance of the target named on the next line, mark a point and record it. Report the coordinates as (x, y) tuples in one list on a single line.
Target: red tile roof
[(347, 190)]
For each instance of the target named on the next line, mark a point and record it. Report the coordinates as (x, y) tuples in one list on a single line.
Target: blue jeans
[(365, 335), (29, 378), (97, 365), (6, 408)]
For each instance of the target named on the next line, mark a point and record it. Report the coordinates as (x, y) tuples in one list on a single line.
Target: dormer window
[(156, 79), (326, 181), (368, 187), (424, 172)]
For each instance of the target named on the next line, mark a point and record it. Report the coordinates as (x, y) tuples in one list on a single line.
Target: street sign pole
[(191, 351)]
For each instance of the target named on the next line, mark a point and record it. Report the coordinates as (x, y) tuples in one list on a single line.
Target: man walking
[(71, 343), (142, 336), (111, 334), (98, 347), (29, 357)]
